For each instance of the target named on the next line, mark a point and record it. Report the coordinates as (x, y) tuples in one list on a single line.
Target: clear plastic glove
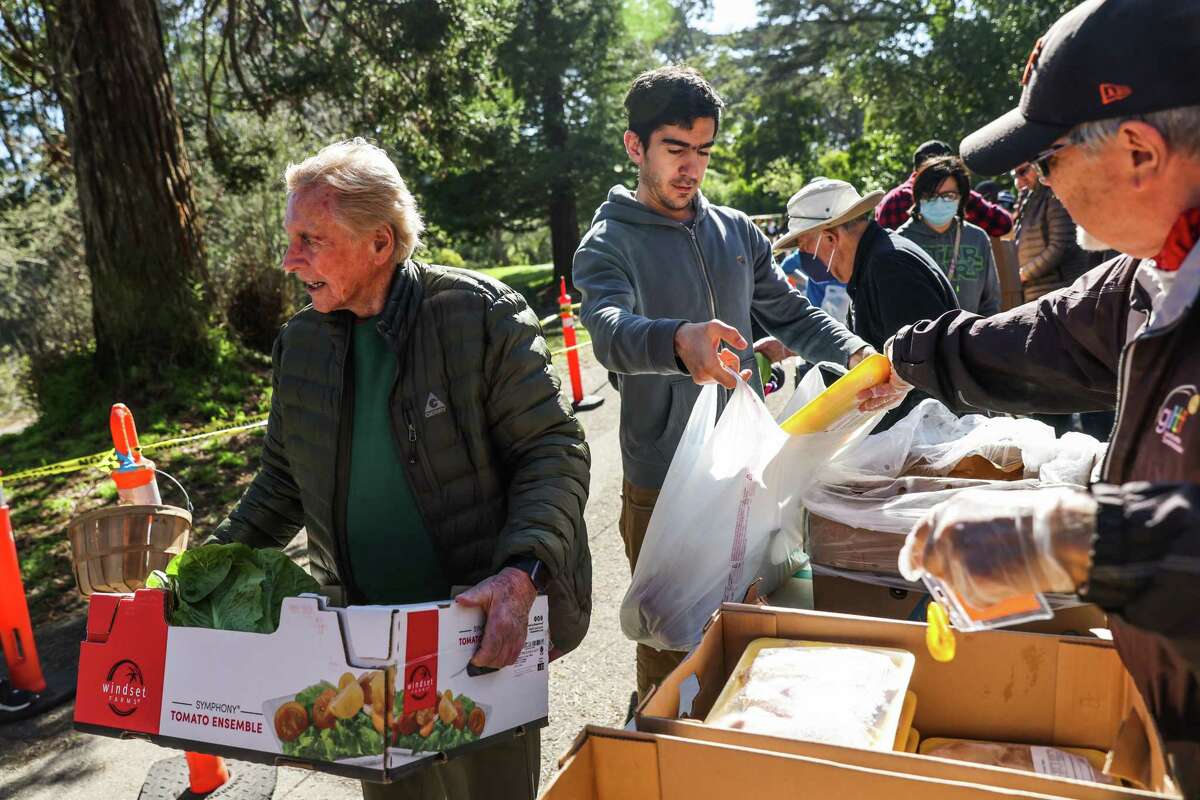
[(885, 395), (992, 545)]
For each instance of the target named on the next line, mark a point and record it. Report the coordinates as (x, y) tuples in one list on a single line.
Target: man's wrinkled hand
[(773, 349), (699, 347), (992, 544), (505, 599)]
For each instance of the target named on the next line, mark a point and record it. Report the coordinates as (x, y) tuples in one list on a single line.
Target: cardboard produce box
[(606, 764), (842, 594), (1002, 686), (319, 692)]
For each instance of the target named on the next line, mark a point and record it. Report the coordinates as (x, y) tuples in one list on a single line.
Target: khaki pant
[(637, 504), (507, 770)]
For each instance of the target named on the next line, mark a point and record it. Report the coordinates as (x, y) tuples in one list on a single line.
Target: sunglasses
[(1043, 160)]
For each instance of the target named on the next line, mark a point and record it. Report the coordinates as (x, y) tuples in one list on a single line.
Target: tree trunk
[(564, 217), (141, 231), (564, 232), (563, 213)]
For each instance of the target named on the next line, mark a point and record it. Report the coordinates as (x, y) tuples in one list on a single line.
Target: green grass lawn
[(531, 280)]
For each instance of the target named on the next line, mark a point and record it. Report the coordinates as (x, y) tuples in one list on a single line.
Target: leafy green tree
[(564, 59), (565, 65), (848, 88)]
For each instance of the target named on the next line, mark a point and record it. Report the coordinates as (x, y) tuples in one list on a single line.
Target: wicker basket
[(114, 549)]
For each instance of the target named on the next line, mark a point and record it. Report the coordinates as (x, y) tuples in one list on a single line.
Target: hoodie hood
[(623, 206)]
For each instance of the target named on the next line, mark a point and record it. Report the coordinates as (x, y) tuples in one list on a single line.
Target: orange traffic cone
[(16, 633), (579, 401), (205, 773)]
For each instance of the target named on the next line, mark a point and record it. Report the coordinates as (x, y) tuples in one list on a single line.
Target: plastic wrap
[(888, 482), (849, 695), (932, 441)]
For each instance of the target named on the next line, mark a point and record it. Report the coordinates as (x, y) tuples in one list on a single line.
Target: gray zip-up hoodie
[(643, 275)]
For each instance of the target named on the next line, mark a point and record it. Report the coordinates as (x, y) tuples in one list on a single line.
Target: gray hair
[(368, 187), (854, 226), (1179, 126)]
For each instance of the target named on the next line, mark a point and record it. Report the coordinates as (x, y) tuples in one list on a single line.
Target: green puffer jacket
[(498, 463)]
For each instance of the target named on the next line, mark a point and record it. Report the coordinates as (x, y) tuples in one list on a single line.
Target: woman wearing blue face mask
[(937, 226)]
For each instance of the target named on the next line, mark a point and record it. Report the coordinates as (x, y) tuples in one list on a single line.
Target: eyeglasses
[(949, 197), (1042, 161), (1022, 170)]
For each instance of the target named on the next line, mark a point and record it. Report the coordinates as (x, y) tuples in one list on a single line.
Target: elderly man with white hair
[(1116, 135), (418, 435)]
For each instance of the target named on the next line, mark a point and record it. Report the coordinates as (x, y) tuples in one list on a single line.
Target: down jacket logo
[(1180, 406), (434, 406)]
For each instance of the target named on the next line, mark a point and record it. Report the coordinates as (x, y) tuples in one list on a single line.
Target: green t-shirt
[(390, 552)]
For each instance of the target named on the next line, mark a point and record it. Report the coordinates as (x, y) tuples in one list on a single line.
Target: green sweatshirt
[(975, 280)]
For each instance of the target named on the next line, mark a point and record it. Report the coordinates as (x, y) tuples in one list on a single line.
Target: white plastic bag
[(718, 523)]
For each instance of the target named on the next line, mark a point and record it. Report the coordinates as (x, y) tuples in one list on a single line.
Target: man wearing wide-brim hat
[(891, 281)]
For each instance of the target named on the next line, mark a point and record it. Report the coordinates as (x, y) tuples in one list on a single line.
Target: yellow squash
[(820, 413)]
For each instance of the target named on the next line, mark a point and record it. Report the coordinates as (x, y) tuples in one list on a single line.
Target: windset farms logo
[(420, 682), (124, 688), (1180, 406)]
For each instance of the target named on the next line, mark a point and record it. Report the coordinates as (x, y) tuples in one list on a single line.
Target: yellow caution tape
[(544, 321), (580, 346), (100, 460), (257, 422), (107, 461)]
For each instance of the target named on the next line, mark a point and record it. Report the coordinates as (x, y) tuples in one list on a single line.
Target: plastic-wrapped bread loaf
[(1075, 763), (837, 694)]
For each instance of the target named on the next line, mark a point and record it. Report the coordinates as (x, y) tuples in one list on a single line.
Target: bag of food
[(727, 513)]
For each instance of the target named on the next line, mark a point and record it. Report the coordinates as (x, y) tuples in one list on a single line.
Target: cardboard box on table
[(215, 691), (1002, 686), (840, 594), (607, 764), (848, 562)]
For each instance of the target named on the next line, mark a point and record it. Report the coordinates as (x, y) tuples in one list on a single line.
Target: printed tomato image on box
[(368, 692)]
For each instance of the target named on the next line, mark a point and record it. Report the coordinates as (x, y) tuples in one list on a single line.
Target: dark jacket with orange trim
[(1124, 334)]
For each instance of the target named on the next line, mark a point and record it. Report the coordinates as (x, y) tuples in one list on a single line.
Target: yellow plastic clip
[(938, 636)]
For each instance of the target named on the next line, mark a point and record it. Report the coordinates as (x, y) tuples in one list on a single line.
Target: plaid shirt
[(892, 211)]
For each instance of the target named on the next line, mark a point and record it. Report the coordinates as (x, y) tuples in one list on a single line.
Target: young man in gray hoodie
[(669, 284)]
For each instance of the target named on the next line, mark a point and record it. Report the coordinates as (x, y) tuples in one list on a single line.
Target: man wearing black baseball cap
[(1110, 117)]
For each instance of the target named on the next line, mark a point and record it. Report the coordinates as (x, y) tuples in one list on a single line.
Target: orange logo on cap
[(1112, 92), (1032, 62)]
